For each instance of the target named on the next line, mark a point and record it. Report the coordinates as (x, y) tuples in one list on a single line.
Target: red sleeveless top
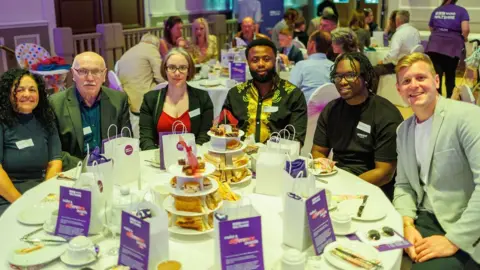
[(165, 122)]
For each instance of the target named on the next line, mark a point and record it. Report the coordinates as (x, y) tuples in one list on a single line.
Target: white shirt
[(405, 38), (422, 137)]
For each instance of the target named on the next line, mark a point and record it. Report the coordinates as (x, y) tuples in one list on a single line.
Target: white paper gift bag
[(286, 141), (125, 153), (91, 182), (270, 173), (103, 170), (168, 145), (159, 245)]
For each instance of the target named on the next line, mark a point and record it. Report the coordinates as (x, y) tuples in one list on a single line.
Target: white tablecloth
[(218, 94), (197, 252), (377, 55)]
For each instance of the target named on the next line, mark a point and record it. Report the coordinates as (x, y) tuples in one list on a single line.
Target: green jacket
[(113, 110), (152, 108)]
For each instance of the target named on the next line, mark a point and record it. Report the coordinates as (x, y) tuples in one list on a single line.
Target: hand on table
[(413, 236), (435, 246)]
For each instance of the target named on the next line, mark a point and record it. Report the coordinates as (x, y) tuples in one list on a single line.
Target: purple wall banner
[(272, 13)]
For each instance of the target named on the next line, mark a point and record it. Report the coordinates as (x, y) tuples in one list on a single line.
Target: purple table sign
[(241, 244), (238, 71), (386, 247), (73, 212), (319, 222), (134, 242)]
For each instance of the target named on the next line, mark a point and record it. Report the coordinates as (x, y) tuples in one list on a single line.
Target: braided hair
[(366, 69), (9, 82)]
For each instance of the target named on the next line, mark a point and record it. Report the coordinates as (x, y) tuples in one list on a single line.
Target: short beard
[(265, 78)]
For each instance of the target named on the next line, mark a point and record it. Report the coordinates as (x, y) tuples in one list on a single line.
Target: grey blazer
[(453, 185)]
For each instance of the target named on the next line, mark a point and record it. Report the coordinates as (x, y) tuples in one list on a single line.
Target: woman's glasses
[(173, 69)]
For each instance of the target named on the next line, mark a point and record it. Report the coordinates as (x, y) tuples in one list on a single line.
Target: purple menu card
[(385, 247), (241, 244), (73, 212), (238, 71), (319, 222), (134, 242)]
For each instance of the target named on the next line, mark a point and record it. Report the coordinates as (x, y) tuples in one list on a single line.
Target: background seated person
[(178, 101), (360, 127), (344, 40), (30, 151), (288, 52), (203, 45), (266, 103), (172, 35), (247, 33), (85, 111)]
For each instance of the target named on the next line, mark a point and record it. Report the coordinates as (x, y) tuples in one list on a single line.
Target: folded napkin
[(52, 63), (96, 156), (297, 166)]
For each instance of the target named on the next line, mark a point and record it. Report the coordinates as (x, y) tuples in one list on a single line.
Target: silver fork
[(31, 233), (47, 241)]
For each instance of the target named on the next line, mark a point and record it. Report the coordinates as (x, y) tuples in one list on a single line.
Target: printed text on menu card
[(241, 244), (319, 222), (134, 242), (238, 71), (73, 212)]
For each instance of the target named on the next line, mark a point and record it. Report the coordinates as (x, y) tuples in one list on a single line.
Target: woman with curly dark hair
[(30, 150)]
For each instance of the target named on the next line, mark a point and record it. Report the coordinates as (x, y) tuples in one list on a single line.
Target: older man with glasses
[(85, 111), (360, 126)]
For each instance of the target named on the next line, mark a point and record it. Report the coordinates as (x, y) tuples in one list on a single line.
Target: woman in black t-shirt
[(30, 150)]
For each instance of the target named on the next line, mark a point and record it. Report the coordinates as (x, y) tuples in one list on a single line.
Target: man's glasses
[(349, 77), (95, 72), (173, 69)]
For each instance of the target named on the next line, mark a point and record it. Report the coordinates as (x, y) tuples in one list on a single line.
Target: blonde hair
[(207, 30), (408, 61), (188, 57), (287, 31)]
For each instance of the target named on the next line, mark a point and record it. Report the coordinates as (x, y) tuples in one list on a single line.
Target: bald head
[(89, 71), (248, 28)]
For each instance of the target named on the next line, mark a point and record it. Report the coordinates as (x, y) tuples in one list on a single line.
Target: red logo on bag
[(128, 150), (179, 146)]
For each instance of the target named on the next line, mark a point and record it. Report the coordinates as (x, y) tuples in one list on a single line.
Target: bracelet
[(408, 225)]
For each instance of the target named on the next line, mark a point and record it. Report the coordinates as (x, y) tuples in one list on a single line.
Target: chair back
[(418, 48), (317, 102), (297, 43), (114, 81), (28, 54)]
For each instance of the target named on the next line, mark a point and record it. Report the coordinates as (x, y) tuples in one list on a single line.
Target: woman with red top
[(162, 109)]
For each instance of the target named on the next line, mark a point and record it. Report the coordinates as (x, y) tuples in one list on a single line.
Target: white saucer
[(72, 262), (353, 229), (37, 214)]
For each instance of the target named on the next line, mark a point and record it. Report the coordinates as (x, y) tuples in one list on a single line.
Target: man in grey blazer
[(84, 112), (438, 173)]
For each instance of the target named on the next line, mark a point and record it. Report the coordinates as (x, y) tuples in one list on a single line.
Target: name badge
[(364, 127), (87, 130), (24, 144), (194, 112), (270, 109)]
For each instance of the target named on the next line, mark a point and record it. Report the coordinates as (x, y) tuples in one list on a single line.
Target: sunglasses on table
[(375, 235)]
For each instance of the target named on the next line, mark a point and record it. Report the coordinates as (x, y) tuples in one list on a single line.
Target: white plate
[(371, 212), (44, 255), (210, 83), (353, 229), (176, 192), (211, 134), (211, 149), (245, 179), (37, 214), (335, 170), (177, 171), (364, 250), (182, 231), (69, 261), (168, 204)]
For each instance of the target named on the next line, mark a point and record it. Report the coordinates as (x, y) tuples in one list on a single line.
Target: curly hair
[(366, 69), (8, 83), (346, 38)]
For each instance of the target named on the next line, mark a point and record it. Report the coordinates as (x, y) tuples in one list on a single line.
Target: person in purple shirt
[(450, 27)]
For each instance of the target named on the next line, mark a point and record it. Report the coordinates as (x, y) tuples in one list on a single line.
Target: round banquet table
[(217, 94), (377, 55), (198, 252)]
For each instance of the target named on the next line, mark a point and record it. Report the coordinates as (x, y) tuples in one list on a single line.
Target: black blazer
[(295, 54), (152, 108)]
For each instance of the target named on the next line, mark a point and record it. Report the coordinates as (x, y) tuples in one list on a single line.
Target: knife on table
[(362, 206)]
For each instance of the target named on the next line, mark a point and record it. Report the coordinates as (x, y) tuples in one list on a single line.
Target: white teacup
[(293, 259), (160, 192), (81, 249), (341, 221)]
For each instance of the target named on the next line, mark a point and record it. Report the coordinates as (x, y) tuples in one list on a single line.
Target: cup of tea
[(341, 222), (81, 249)]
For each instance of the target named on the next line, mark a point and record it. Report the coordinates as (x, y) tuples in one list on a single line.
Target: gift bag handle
[(291, 165), (176, 124), (294, 131), (129, 131), (274, 135), (78, 170), (284, 131), (108, 131)]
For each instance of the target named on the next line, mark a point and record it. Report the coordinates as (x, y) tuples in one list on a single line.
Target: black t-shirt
[(359, 135)]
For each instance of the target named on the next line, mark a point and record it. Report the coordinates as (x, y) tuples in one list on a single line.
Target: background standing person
[(326, 4), (450, 27), (248, 8), (289, 19), (357, 24), (370, 24)]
